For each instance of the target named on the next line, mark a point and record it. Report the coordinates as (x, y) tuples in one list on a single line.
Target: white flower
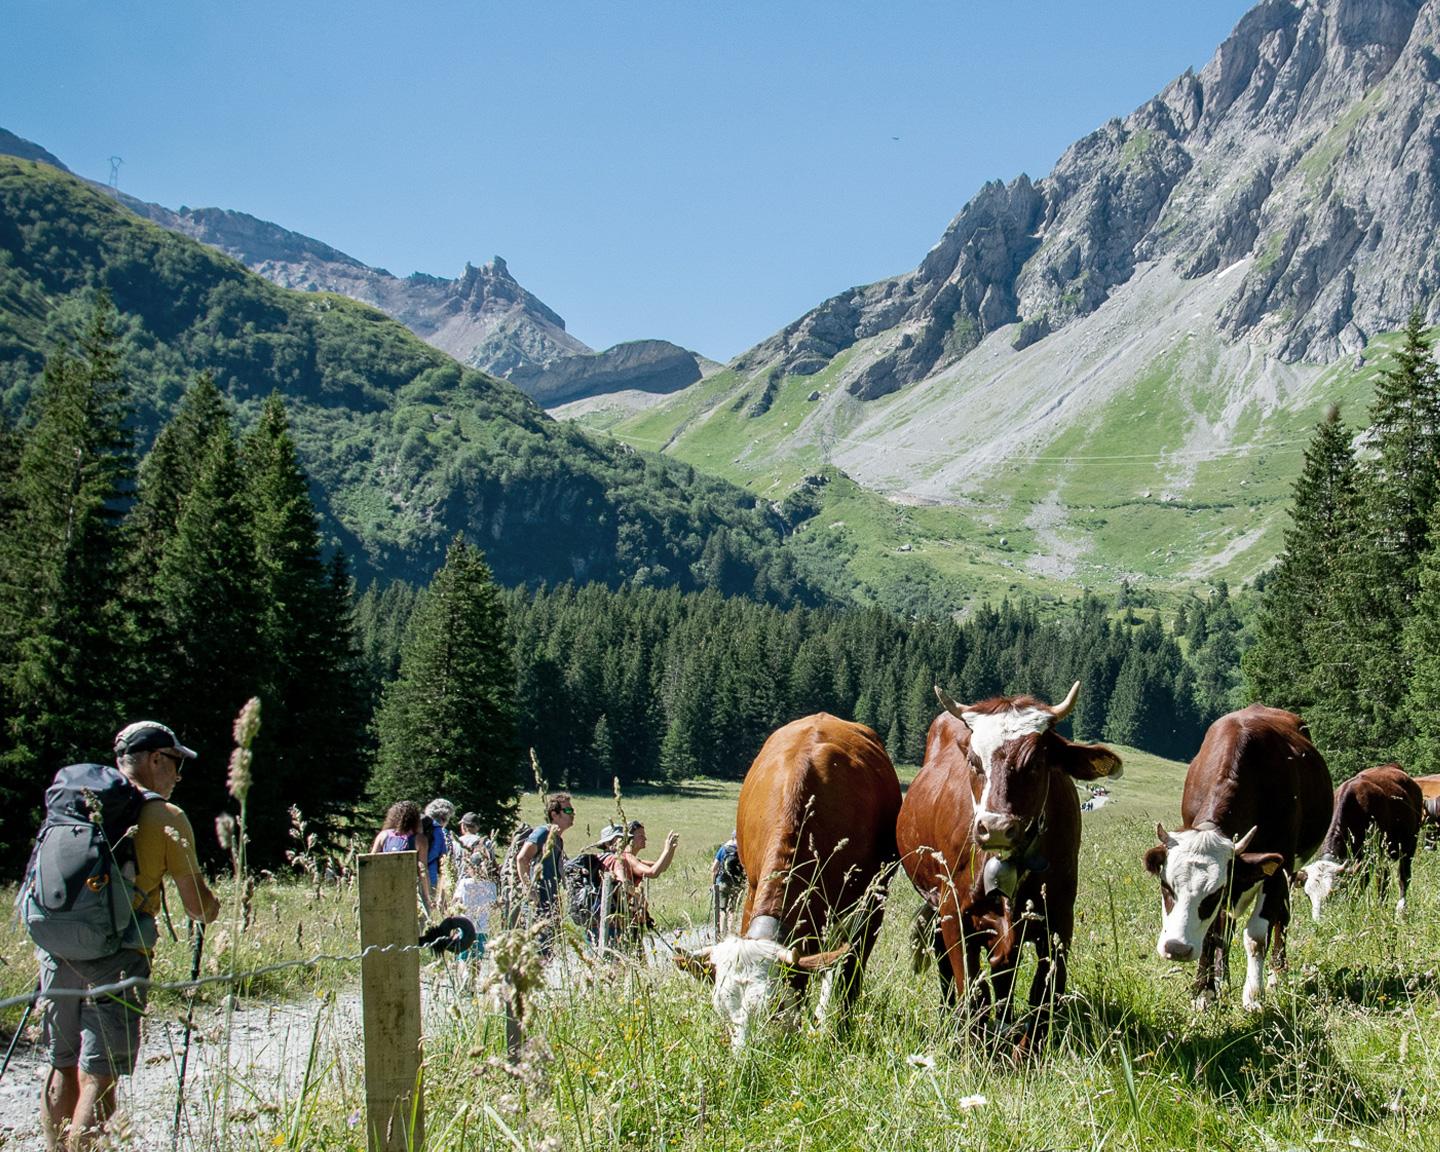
[(919, 1060), (965, 1103)]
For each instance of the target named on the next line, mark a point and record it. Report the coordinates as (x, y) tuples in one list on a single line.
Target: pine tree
[(1421, 751), (209, 658), (312, 684), (63, 646), (1299, 606), (447, 723)]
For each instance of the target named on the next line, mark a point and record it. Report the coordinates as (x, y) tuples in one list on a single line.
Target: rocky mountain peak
[(1309, 146)]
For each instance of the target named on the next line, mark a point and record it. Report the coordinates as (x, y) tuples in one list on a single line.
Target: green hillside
[(1093, 504), (404, 445)]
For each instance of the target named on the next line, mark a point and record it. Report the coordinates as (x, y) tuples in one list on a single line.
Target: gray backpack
[(78, 896)]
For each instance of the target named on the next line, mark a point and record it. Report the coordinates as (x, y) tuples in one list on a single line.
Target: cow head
[(749, 975), (1320, 880), (1201, 871), (1015, 755)]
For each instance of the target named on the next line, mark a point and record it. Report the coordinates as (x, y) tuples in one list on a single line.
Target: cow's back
[(1257, 768), (1388, 798), (938, 814), (816, 821)]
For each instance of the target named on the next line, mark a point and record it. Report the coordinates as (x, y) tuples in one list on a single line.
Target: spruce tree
[(1421, 751), (447, 724), (312, 684), (63, 647), (1292, 655), (209, 658)]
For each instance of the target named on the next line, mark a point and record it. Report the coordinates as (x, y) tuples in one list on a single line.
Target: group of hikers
[(535, 882), (110, 836)]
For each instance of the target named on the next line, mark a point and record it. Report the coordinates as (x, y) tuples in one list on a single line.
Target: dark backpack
[(731, 873), (511, 897), (584, 876), (77, 899)]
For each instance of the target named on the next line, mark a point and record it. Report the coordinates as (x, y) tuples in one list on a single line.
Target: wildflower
[(917, 1060), (353, 1119), (966, 1103)]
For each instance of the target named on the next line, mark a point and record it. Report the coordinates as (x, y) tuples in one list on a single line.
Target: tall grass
[(623, 1056)]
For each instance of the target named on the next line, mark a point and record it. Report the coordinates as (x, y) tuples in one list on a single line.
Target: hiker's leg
[(92, 1109), (57, 1105)]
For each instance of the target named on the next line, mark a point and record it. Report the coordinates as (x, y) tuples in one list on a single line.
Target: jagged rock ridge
[(484, 318), (1310, 144)]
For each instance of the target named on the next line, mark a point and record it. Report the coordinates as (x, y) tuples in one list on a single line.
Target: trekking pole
[(19, 1028), (198, 930)]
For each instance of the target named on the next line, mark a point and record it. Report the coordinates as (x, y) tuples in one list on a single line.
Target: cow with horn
[(1256, 799), (990, 836), (816, 833)]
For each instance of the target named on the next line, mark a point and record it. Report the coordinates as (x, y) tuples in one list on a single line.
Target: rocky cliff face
[(484, 318), (1310, 145)]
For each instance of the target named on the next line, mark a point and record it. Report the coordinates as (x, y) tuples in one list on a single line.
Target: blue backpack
[(77, 900)]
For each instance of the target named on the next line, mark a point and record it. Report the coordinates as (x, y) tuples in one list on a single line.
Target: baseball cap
[(610, 832), (149, 736)]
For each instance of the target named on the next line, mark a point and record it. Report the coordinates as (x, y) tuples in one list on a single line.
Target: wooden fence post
[(390, 1000)]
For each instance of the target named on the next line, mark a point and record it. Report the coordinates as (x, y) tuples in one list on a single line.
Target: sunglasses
[(175, 760), (567, 811)]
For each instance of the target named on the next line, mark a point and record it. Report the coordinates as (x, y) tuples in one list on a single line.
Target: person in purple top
[(401, 832)]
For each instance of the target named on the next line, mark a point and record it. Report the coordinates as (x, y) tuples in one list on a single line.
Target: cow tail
[(922, 932)]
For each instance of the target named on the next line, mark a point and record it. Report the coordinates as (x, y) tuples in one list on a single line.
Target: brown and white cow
[(1384, 798), (1256, 798), (990, 836), (816, 832)]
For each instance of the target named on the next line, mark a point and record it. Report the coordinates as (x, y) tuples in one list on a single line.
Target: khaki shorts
[(101, 1037)]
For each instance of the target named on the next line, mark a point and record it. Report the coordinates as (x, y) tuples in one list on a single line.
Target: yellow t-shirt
[(164, 843)]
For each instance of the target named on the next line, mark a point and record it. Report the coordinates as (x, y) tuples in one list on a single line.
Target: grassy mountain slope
[(1137, 446), (404, 445)]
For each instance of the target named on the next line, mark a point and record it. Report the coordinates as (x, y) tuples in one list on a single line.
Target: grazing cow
[(990, 836), (1384, 798), (1430, 797), (1257, 796), (816, 831)]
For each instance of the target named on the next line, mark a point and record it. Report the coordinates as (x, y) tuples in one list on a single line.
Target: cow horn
[(1244, 841), (1065, 706), (956, 710)]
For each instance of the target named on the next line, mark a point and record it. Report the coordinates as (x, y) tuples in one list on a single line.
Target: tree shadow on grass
[(1273, 1060)]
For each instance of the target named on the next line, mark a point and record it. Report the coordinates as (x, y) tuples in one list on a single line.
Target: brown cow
[(1385, 798), (816, 832), (1257, 797), (990, 836), (1430, 793)]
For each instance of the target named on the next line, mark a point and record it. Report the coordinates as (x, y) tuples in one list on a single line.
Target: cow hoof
[(1251, 1002), (1400, 907), (1202, 1000)]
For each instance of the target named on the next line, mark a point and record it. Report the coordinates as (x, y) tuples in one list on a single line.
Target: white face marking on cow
[(1197, 865), (1320, 880), (991, 731), (746, 982)]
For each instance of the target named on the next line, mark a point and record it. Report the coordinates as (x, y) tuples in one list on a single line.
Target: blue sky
[(699, 172)]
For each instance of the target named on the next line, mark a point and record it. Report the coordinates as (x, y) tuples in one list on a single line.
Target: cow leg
[(1277, 912), (1004, 960), (1257, 939), (1212, 963), (950, 953), (1052, 945), (1406, 853)]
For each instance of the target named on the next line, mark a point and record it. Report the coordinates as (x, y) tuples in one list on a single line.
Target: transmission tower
[(115, 162)]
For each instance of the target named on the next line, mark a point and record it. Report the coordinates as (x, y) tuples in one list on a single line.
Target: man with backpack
[(89, 900)]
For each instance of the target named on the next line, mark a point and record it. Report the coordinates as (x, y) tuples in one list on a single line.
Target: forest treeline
[(659, 685), (1348, 627)]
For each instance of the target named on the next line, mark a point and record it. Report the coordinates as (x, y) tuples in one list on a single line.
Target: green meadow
[(622, 1055)]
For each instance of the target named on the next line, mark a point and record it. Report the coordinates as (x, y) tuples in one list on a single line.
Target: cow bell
[(1001, 875)]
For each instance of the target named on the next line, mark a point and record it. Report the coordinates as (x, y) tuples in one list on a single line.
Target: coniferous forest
[(178, 579)]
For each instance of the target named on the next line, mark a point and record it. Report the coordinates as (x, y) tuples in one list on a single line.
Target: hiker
[(92, 1043), (727, 882), (541, 861), (476, 890), (402, 832), (632, 909), (435, 823)]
